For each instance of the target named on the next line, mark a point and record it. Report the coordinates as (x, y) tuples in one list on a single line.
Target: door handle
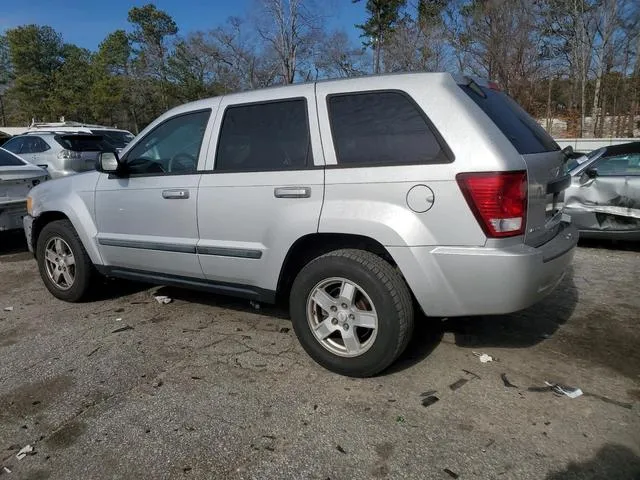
[(292, 192), (176, 194)]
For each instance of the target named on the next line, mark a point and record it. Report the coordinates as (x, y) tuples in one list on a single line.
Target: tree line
[(576, 61)]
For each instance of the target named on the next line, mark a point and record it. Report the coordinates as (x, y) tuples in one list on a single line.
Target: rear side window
[(8, 160), (381, 128), (524, 133), (83, 143), (267, 136)]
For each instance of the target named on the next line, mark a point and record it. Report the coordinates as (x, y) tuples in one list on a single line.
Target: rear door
[(263, 189), (546, 172)]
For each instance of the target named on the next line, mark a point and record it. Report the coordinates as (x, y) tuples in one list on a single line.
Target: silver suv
[(356, 200), (65, 153)]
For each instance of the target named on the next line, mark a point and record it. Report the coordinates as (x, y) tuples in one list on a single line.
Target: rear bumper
[(11, 213), (456, 281)]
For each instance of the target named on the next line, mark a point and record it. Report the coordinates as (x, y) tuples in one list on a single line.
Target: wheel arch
[(311, 246)]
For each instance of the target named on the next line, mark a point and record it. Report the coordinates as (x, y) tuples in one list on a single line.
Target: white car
[(17, 177)]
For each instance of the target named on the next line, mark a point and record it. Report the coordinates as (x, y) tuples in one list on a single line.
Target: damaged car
[(604, 197), (17, 177)]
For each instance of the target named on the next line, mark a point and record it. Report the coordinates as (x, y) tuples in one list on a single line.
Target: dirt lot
[(207, 387)]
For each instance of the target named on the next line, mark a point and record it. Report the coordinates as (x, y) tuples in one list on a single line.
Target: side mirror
[(591, 172), (108, 162)]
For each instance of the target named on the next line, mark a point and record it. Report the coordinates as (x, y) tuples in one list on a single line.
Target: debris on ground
[(119, 319), (451, 473), (94, 350), (430, 400), (6, 469), (474, 375), (24, 451), (123, 329), (558, 389), (340, 449), (157, 383), (483, 357), (428, 393), (163, 299), (506, 381), (458, 383), (284, 330), (8, 309), (399, 419)]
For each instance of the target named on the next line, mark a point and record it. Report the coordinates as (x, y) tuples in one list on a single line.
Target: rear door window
[(381, 128), (265, 137), (524, 133)]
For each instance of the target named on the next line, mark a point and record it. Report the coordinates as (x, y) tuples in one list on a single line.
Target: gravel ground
[(207, 387)]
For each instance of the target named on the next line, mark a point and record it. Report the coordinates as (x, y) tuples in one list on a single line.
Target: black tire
[(386, 289), (84, 269)]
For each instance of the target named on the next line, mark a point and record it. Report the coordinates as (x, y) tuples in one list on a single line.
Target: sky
[(87, 22)]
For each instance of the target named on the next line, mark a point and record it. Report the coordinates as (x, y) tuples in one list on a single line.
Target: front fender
[(74, 198)]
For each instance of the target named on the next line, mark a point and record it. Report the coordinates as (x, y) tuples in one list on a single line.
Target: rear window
[(525, 134), (83, 143), (8, 160), (116, 138)]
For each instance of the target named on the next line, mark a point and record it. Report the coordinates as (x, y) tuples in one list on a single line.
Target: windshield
[(9, 160), (116, 138), (525, 134), (83, 143)]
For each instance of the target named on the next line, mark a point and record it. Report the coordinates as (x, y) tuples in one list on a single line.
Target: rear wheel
[(65, 266), (352, 312)]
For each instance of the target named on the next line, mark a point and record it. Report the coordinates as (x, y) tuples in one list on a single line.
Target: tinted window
[(619, 165), (34, 145), (381, 128), (83, 143), (525, 134), (8, 160), (269, 136), (172, 147), (14, 145), (115, 138)]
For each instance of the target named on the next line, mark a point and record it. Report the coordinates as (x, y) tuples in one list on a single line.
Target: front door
[(265, 189), (146, 216)]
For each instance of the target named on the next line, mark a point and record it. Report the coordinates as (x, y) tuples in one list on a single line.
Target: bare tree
[(289, 28)]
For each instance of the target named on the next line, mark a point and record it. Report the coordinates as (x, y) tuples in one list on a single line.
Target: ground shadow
[(223, 301), (112, 288), (612, 462), (610, 244), (520, 329), (12, 242)]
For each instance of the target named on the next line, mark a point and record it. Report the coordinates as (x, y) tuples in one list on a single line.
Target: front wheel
[(65, 266), (352, 312)]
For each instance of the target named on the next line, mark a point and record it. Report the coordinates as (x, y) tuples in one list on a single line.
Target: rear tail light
[(498, 200), (69, 154)]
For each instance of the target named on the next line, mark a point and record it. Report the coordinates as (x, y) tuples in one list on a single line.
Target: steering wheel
[(182, 162)]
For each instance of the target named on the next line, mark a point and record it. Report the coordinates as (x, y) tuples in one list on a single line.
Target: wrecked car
[(17, 177), (604, 197)]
